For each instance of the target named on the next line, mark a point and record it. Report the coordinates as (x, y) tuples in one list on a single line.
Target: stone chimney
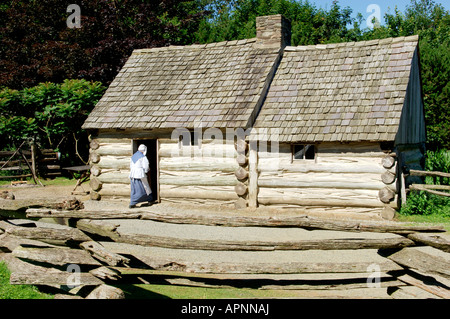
[(273, 31)]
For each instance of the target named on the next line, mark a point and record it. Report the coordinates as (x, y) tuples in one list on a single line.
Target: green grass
[(8, 291), (434, 219)]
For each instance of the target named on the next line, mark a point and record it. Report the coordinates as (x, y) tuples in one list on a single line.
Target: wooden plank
[(55, 256), (234, 262), (427, 286), (429, 190), (305, 167), (228, 245), (99, 252), (411, 292), (53, 213), (255, 281), (303, 221), (234, 220), (253, 176), (53, 277), (414, 172), (430, 240), (274, 200), (424, 262), (203, 180), (204, 194), (330, 182), (45, 234), (328, 244)]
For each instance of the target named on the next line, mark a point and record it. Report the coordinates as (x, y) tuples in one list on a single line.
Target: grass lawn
[(431, 219), (8, 291)]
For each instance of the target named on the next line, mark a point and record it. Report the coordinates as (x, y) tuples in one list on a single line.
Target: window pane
[(299, 151), (309, 153)]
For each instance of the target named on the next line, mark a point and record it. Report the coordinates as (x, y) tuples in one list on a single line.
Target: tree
[(36, 44), (49, 114)]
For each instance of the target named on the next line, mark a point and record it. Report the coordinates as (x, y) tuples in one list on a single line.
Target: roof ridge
[(412, 38), (197, 46)]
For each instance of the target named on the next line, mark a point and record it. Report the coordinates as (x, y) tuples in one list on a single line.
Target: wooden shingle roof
[(217, 85), (335, 92), (339, 92)]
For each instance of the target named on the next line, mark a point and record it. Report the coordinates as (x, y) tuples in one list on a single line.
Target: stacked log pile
[(92, 256)]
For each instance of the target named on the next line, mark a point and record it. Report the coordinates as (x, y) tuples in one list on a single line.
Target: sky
[(362, 6)]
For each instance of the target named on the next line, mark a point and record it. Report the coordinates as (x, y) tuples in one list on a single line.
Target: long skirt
[(138, 192)]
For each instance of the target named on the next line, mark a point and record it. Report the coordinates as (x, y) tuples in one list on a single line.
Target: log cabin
[(258, 122)]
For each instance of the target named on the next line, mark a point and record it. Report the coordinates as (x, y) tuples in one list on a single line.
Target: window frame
[(314, 148)]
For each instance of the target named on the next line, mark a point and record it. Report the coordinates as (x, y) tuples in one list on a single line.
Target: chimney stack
[(273, 31)]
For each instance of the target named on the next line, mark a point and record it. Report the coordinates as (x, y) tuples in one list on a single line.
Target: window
[(303, 152)]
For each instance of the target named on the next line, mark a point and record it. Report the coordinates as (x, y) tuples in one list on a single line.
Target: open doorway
[(152, 156)]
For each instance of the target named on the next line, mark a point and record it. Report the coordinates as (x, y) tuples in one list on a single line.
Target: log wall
[(110, 166), (357, 176), (198, 174), (207, 174)]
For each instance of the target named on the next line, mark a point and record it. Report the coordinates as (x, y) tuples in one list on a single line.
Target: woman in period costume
[(139, 167)]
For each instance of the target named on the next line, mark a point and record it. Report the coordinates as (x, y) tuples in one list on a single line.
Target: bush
[(424, 203), (50, 114)]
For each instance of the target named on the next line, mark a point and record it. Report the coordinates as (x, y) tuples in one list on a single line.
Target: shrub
[(424, 203)]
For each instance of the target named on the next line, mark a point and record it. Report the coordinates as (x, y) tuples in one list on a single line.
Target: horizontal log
[(275, 200), (205, 194), (320, 193), (241, 189), (115, 149), (95, 183), (54, 277), (433, 241), (89, 226), (421, 187), (414, 172), (52, 213), (227, 245), (388, 161), (388, 177), (55, 256), (200, 180), (45, 234), (115, 162), (105, 273), (206, 150), (201, 164), (109, 189), (302, 167), (233, 262), (339, 184), (94, 157), (113, 177), (307, 222), (423, 262), (307, 281), (440, 291), (386, 195), (99, 252)]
